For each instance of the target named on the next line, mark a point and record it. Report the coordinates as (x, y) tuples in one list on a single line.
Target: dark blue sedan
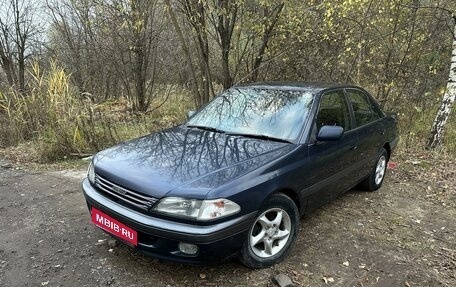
[(236, 177)]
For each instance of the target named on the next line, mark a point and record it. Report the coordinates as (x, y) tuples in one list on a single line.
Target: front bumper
[(159, 237)]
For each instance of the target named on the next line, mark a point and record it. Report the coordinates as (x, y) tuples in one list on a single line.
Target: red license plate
[(114, 227)]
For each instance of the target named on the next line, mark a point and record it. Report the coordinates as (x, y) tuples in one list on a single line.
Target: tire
[(274, 229), (375, 180)]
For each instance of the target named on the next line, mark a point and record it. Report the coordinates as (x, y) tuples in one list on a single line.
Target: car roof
[(314, 86)]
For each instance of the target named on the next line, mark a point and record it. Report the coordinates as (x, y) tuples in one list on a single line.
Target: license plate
[(114, 227)]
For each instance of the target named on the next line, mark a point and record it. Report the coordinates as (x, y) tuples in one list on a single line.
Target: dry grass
[(53, 122)]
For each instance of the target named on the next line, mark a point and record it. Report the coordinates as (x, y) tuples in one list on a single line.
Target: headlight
[(197, 209), (179, 206), (91, 173)]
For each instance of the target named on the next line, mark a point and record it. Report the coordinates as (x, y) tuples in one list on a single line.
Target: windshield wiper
[(258, 136), (205, 128)]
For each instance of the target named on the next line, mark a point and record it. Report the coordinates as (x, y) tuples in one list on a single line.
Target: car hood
[(183, 161)]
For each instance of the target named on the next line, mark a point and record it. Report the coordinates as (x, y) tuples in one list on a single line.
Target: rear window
[(364, 109)]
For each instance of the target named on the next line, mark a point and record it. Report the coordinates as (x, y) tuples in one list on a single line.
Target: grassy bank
[(52, 122)]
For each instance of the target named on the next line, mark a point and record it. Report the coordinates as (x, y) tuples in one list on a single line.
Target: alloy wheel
[(270, 233), (380, 170)]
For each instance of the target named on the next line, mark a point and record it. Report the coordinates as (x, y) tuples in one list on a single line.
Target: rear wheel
[(272, 233), (375, 180)]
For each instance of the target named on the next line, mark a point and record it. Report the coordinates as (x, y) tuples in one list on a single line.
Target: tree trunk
[(140, 80), (225, 27), (7, 64), (195, 12), (21, 69), (21, 36), (187, 53), (265, 41), (203, 44), (438, 127)]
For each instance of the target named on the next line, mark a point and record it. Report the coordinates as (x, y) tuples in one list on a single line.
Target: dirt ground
[(402, 235)]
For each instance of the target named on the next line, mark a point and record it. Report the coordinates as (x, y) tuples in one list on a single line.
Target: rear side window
[(365, 111), (333, 111)]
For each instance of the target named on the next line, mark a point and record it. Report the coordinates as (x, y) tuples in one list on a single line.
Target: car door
[(369, 129), (331, 161)]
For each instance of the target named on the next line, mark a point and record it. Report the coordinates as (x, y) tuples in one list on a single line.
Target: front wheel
[(272, 233), (377, 175)]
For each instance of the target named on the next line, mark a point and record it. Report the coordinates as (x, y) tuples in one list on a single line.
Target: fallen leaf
[(417, 221), (328, 279), (392, 165)]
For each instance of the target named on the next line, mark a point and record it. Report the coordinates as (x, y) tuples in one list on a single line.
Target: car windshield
[(270, 113)]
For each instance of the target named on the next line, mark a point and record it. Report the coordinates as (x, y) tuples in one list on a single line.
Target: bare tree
[(232, 26), (111, 47), (143, 28), (272, 16), (185, 45), (18, 28), (224, 22), (196, 14)]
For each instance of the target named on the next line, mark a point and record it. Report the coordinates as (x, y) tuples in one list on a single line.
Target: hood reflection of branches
[(183, 155)]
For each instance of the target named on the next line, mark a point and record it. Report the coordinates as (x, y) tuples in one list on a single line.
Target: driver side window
[(333, 111)]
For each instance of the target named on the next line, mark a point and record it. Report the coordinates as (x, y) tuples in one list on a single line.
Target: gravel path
[(398, 236)]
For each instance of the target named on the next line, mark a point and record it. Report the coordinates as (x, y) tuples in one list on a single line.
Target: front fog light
[(91, 173), (187, 248)]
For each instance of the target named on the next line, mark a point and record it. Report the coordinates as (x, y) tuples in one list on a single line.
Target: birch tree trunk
[(438, 127)]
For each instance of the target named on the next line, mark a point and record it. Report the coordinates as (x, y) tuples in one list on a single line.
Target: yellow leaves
[(138, 25), (124, 24), (328, 16), (361, 44), (77, 138), (432, 70), (344, 8)]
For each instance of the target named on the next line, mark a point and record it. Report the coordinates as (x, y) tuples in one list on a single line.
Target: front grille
[(124, 195)]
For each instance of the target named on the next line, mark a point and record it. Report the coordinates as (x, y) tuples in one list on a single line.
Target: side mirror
[(330, 133), (190, 114)]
